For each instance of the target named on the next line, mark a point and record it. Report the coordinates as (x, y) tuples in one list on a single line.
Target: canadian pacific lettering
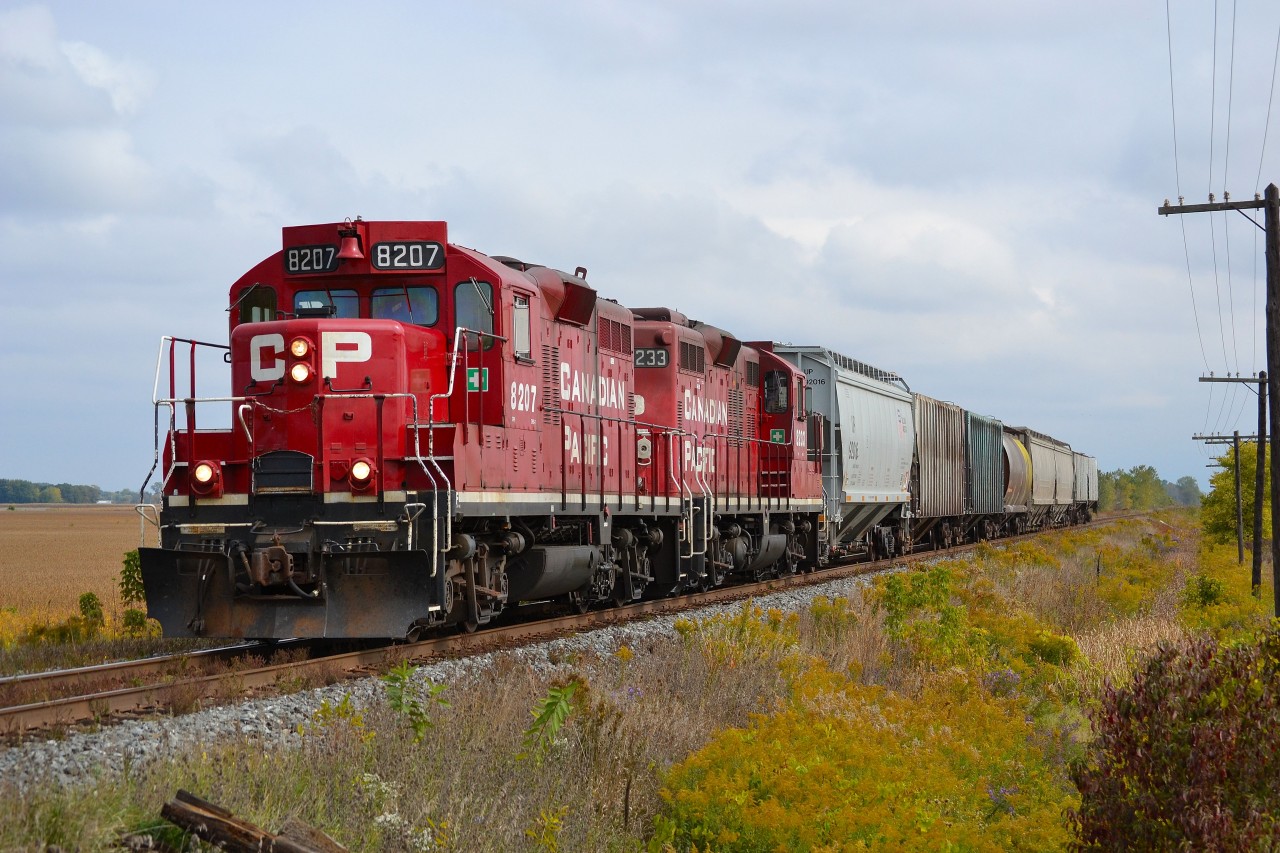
[(577, 387)]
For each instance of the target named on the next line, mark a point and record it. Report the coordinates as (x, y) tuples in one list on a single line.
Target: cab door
[(523, 371)]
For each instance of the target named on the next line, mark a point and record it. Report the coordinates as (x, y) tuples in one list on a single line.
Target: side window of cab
[(521, 339), (473, 310), (257, 304), (776, 385)]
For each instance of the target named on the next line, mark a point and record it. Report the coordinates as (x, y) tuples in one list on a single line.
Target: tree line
[(27, 492), (1141, 488)]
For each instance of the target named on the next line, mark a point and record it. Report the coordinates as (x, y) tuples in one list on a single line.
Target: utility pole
[(1235, 445), (1234, 441), (1260, 469), (1270, 205), (1255, 578)]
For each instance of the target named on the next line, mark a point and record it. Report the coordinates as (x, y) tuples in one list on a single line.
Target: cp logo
[(267, 364)]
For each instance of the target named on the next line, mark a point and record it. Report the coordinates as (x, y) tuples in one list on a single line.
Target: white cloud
[(964, 193), (127, 84), (28, 38)]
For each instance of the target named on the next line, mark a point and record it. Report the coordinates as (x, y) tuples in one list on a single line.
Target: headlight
[(206, 479), (300, 347), (361, 471), (300, 372)]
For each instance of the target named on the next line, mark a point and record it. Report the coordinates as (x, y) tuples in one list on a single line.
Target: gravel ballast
[(81, 757)]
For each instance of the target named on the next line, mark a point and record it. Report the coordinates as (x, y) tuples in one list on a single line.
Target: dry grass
[(1112, 649), (361, 776), (50, 555)]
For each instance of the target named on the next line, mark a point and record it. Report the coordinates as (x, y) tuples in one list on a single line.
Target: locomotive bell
[(350, 250)]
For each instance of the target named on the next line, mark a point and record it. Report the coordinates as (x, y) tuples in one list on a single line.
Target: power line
[(1213, 235), (1226, 196), (1257, 184), (1177, 174)]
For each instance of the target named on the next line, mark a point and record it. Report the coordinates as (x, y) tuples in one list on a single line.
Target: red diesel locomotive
[(423, 436)]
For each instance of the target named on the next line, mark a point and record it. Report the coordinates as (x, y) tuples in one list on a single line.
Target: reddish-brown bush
[(1187, 756)]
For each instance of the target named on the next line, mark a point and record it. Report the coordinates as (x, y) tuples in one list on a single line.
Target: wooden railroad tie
[(218, 826)]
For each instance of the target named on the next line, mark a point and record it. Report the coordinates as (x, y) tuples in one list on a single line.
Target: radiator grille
[(614, 336), (550, 384), (735, 413), (692, 357)]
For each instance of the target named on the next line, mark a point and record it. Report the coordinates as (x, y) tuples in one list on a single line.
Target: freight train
[(422, 436)]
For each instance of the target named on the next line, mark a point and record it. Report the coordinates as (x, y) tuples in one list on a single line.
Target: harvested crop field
[(51, 554)]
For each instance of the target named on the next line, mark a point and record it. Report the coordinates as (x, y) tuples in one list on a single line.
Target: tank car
[(423, 436)]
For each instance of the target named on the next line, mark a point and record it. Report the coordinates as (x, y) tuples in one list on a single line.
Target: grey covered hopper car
[(864, 418), (902, 470)]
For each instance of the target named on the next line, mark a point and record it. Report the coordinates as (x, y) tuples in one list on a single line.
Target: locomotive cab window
[(257, 304), (327, 303), (417, 305), (776, 387), (520, 341), (473, 309)]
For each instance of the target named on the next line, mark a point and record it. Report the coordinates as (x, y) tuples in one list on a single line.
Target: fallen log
[(218, 826)]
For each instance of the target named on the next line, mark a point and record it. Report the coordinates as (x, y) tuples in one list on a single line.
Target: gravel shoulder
[(82, 757)]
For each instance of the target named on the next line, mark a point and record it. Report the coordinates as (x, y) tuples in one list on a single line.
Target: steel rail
[(156, 697)]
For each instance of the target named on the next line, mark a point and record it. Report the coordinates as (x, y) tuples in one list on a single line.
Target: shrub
[(134, 623), (1053, 648), (850, 766), (549, 716), (1202, 591), (131, 590), (1187, 756), (91, 609), (401, 698)]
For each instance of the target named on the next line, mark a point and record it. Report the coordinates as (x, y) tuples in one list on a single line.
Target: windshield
[(346, 303), (418, 305)]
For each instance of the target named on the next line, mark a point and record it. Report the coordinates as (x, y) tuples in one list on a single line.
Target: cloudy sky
[(962, 192)]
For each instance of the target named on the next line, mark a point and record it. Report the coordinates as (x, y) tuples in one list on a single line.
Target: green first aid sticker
[(778, 436), (477, 379)]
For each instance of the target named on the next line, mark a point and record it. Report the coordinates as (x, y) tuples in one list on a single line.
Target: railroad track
[(178, 683)]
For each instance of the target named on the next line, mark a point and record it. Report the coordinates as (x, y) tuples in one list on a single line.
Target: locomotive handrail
[(677, 479), (141, 509), (417, 457), (763, 443), (708, 492), (454, 358), (248, 433), (431, 440), (172, 405), (173, 398), (172, 341), (680, 483), (431, 445)]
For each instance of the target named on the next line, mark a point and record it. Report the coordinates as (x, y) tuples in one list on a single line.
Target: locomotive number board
[(652, 357), (302, 260), (407, 255)]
